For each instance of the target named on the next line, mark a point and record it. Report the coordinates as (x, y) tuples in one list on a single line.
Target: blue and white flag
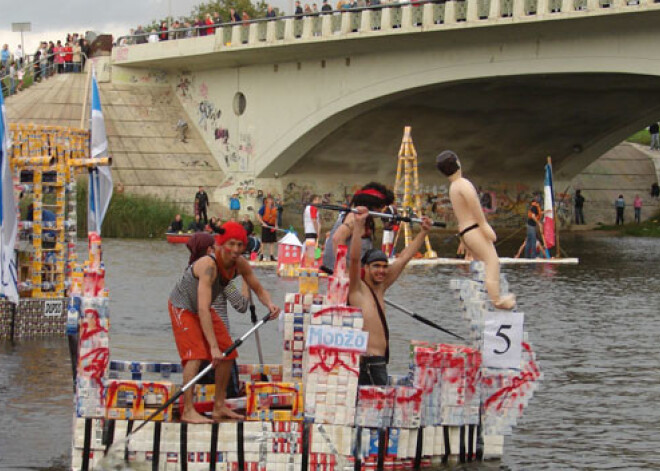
[(8, 216), (100, 178)]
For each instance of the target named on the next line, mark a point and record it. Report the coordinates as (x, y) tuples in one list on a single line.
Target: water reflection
[(593, 327)]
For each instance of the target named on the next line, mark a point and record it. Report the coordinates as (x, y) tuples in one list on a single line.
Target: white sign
[(340, 339), (52, 308), (503, 335)]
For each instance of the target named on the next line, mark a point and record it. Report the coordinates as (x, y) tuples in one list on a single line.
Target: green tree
[(255, 10)]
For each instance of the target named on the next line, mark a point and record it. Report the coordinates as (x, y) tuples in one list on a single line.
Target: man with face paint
[(199, 332), (368, 294), (474, 231)]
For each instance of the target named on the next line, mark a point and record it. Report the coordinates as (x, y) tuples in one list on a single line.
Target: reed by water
[(130, 216)]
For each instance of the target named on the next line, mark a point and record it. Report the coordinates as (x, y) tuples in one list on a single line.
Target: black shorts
[(311, 235), (268, 236)]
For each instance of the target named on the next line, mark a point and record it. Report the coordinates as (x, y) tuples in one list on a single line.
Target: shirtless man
[(368, 294), (474, 231), (199, 332)]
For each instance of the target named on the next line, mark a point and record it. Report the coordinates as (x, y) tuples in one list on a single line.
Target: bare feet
[(194, 417), (225, 413), (507, 302)]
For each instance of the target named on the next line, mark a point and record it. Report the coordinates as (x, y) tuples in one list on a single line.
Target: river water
[(594, 328)]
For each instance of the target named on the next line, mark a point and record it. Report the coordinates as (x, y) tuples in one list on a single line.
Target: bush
[(130, 216)]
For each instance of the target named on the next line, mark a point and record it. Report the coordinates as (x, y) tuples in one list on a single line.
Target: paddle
[(253, 318), (394, 217), (286, 231), (421, 319), (192, 382)]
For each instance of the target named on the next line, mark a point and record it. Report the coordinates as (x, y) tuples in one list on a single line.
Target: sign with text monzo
[(338, 339), (503, 336)]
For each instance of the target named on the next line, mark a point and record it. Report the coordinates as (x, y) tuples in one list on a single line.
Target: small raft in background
[(456, 402)]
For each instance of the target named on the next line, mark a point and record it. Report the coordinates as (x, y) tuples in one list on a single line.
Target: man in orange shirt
[(268, 218)]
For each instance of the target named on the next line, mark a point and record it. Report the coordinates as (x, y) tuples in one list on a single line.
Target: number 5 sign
[(503, 335)]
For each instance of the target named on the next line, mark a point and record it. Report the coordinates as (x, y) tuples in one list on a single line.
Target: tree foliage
[(254, 10)]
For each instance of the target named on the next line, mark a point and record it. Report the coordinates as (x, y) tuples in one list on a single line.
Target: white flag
[(100, 178), (8, 216)]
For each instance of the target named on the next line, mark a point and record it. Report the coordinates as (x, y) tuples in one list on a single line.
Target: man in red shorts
[(199, 332)]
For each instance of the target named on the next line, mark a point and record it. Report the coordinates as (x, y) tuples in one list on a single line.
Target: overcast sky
[(52, 20)]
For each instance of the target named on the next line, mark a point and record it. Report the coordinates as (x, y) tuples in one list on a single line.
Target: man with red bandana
[(368, 294), (199, 332)]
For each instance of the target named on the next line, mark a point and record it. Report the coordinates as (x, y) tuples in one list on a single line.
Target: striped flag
[(548, 207), (8, 216), (100, 178)]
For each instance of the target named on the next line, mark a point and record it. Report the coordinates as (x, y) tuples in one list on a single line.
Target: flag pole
[(554, 210)]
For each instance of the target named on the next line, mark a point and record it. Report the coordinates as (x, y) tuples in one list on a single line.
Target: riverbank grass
[(648, 228), (131, 216)]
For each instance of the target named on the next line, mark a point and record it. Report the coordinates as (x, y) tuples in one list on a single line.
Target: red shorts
[(189, 337)]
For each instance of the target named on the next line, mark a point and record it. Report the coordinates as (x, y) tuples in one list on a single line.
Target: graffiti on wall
[(208, 113)]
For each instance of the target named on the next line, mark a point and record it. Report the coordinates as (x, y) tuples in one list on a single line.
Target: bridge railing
[(395, 17)]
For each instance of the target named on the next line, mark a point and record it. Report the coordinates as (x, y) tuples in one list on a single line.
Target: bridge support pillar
[(567, 5), (345, 22), (253, 35), (427, 16), (542, 7), (386, 19), (271, 32), (472, 13), (450, 12), (326, 26), (518, 8), (593, 5), (494, 11), (289, 33), (365, 21), (406, 17), (308, 26), (236, 36)]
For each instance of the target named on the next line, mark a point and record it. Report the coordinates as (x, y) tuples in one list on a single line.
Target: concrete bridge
[(318, 104)]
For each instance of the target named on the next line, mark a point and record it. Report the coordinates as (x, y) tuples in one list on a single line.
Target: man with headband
[(368, 293), (199, 332), (374, 197), (474, 231)]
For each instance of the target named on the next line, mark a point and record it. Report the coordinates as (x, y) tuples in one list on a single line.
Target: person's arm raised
[(206, 271), (408, 253), (355, 281), (342, 233)]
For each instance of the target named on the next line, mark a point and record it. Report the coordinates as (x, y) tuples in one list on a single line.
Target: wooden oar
[(394, 217), (422, 319)]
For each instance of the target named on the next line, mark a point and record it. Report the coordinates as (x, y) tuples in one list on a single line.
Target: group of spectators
[(206, 24), (49, 58)]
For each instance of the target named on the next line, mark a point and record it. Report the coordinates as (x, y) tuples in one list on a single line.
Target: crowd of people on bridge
[(50, 58), (206, 25)]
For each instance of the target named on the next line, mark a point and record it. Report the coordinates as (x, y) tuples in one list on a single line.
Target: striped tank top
[(184, 294)]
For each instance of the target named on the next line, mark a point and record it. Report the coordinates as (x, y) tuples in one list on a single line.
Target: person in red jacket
[(209, 22), (68, 57)]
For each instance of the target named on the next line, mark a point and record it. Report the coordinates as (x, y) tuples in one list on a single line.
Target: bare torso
[(377, 344)]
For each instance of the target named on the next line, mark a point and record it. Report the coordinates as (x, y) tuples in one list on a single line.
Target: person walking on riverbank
[(654, 131), (620, 205), (234, 206), (579, 203), (267, 216), (637, 205), (201, 204), (198, 330)]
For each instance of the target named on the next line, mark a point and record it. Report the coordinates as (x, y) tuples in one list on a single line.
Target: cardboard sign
[(340, 339), (53, 308), (503, 336)]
